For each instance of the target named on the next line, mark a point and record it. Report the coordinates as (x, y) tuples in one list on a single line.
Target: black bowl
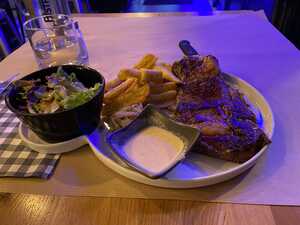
[(67, 124)]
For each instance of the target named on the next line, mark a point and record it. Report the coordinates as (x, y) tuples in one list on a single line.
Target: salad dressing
[(153, 149)]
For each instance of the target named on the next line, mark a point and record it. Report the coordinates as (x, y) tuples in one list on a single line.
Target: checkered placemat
[(17, 160)]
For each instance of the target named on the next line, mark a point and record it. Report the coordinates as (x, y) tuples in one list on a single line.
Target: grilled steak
[(205, 101)]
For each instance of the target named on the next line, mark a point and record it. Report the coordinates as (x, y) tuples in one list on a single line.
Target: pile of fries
[(147, 82)]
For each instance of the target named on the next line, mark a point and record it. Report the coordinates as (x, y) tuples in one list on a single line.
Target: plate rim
[(51, 148)]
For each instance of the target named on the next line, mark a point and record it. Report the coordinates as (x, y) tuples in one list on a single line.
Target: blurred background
[(284, 14)]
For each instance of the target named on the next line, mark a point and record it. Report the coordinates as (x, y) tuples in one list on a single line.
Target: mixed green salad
[(61, 91)]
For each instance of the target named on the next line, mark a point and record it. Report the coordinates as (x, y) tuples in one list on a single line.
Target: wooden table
[(16, 209), (42, 209)]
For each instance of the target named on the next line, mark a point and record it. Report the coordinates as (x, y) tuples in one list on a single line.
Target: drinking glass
[(56, 40)]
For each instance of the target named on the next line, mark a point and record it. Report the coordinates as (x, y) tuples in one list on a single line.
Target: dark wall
[(266, 5), (108, 6), (287, 19)]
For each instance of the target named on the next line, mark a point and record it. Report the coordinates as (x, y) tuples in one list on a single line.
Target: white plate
[(196, 170), (35, 143)]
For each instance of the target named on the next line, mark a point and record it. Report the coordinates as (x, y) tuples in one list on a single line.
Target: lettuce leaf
[(80, 98)]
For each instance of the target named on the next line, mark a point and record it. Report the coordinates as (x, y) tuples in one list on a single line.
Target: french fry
[(163, 97), (148, 81), (163, 87), (137, 95), (132, 86), (127, 73), (167, 66), (167, 74), (118, 90), (112, 83), (151, 75), (147, 62)]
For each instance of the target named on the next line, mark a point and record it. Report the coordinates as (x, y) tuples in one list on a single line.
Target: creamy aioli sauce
[(153, 149)]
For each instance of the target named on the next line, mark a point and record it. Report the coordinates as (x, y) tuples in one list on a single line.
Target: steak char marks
[(205, 101)]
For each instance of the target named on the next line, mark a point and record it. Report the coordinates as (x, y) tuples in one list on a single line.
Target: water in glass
[(56, 44)]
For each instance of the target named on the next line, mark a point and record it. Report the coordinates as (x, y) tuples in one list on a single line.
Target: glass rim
[(25, 25)]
